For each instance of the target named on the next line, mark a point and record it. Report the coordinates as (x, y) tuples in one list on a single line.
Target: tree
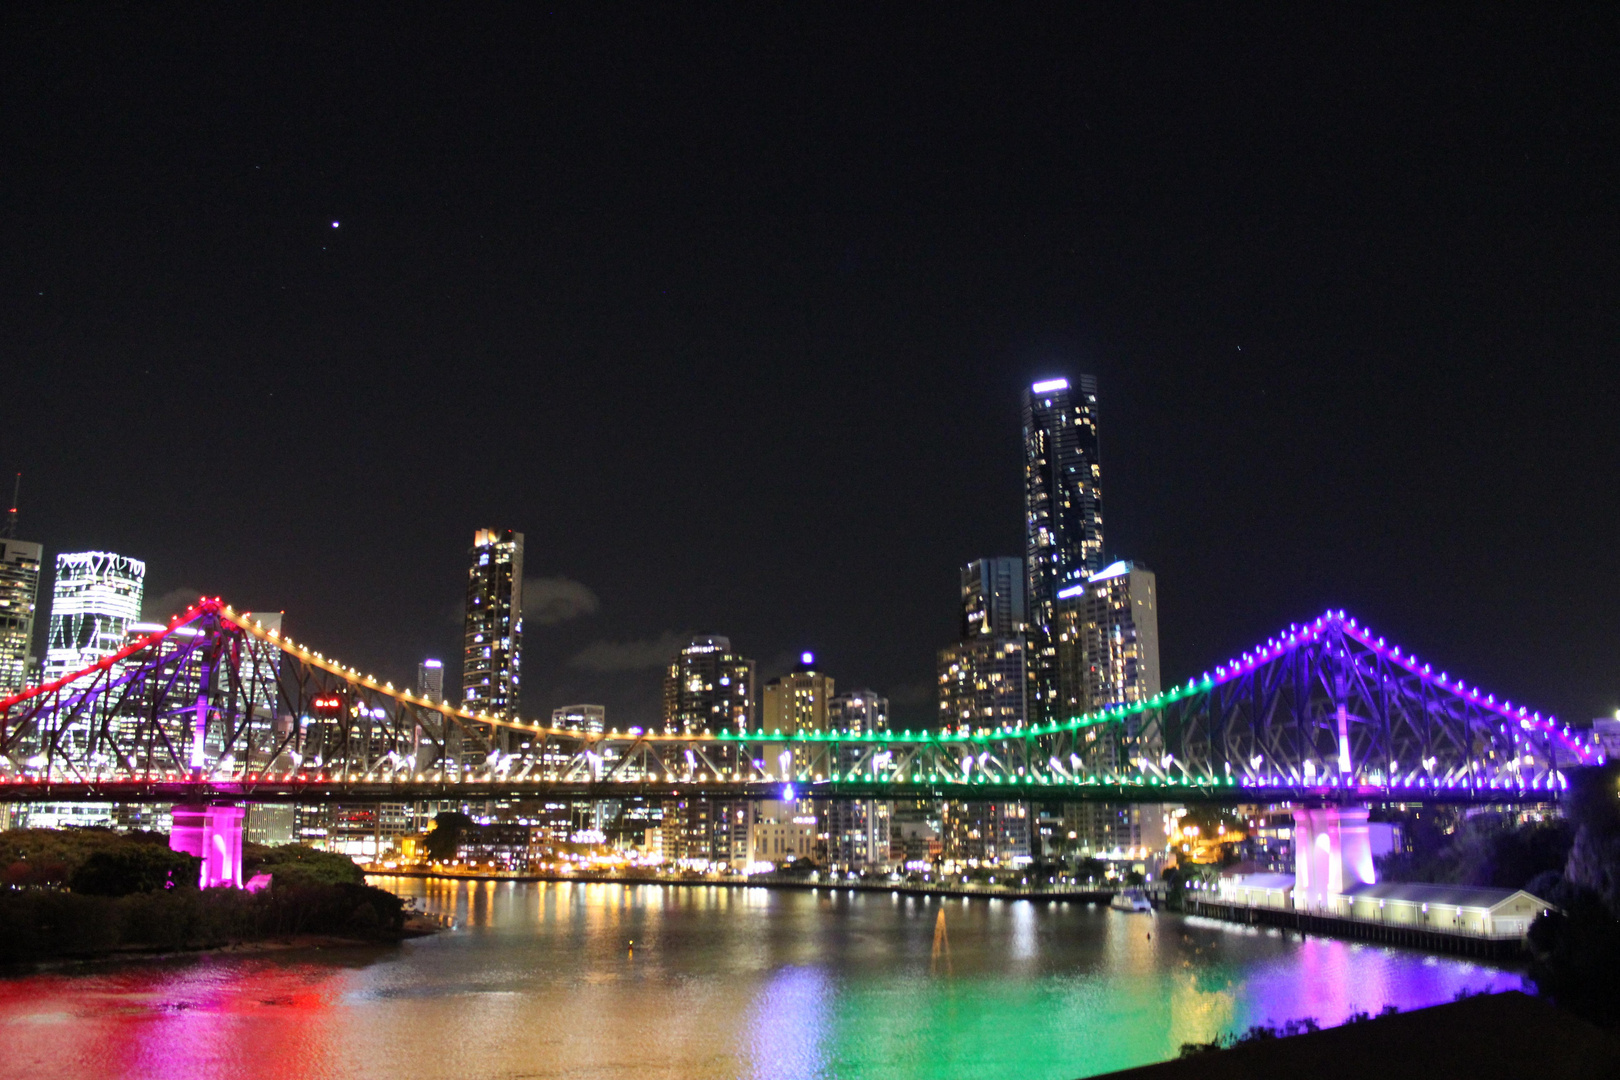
[(296, 864), (446, 834), (135, 868)]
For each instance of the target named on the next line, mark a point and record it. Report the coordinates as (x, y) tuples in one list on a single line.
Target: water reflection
[(542, 981)]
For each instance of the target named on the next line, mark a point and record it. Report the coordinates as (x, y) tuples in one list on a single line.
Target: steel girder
[(215, 703)]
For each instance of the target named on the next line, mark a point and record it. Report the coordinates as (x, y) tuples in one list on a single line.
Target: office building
[(430, 680), (1063, 526), (993, 598), (707, 687), (95, 598), (491, 672), (982, 683), (19, 598), (591, 719)]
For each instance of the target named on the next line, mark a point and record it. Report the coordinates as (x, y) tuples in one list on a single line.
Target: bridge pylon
[(213, 833), (1332, 850)]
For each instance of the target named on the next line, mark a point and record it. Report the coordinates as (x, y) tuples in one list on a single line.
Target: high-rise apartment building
[(993, 598), (1063, 526), (19, 598), (982, 683), (982, 678), (858, 711), (95, 598), (491, 671), (857, 829), (799, 700), (1107, 636), (707, 687)]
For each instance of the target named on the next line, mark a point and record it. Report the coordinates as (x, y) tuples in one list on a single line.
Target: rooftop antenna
[(9, 530)]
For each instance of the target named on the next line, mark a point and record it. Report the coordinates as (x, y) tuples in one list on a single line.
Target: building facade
[(993, 598), (800, 700), (430, 680), (1106, 633), (707, 687), (492, 666), (591, 719), (95, 598), (19, 599), (982, 683), (1063, 524)]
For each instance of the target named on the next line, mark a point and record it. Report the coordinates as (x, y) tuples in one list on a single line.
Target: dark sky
[(731, 318)]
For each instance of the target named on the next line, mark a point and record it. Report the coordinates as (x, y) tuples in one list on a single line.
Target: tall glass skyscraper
[(1063, 527), (97, 595), (491, 670), (19, 596)]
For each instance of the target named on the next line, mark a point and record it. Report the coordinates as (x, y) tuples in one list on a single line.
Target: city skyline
[(735, 391)]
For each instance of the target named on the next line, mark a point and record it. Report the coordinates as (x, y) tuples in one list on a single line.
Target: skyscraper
[(1107, 639), (96, 596), (19, 598), (1063, 528), (993, 598), (707, 687), (982, 680), (491, 671), (982, 683), (430, 680)]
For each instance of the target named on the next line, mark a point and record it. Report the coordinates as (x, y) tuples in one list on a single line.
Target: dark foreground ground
[(1508, 1036)]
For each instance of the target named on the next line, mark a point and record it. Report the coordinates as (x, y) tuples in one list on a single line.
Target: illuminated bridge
[(215, 708)]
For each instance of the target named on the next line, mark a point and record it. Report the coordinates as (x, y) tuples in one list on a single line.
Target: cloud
[(173, 602), (551, 600), (628, 655)]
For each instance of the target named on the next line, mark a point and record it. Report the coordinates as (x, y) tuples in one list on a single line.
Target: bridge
[(216, 709)]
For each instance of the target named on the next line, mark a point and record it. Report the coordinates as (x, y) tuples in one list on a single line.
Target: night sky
[(731, 318)]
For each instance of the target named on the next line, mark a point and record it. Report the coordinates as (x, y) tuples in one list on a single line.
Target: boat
[(1130, 900)]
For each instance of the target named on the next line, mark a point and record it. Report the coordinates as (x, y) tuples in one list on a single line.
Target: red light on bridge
[(326, 706)]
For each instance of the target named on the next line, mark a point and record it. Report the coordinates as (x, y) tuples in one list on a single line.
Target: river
[(605, 981)]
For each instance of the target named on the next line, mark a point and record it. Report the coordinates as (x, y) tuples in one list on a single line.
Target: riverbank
[(1072, 894), (1483, 1037), (43, 924)]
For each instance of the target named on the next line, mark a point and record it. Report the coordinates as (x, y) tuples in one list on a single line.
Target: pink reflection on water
[(191, 1019)]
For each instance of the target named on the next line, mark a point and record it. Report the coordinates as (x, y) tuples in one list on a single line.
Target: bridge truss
[(214, 706)]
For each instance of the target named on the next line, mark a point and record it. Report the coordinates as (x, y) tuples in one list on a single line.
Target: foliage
[(47, 857), (1484, 849), (296, 864), (1576, 951), (43, 923), (1256, 1033), (1091, 869), (136, 868), (445, 834)]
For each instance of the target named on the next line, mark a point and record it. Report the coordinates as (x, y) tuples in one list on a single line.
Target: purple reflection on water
[(790, 1018), (1330, 980)]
